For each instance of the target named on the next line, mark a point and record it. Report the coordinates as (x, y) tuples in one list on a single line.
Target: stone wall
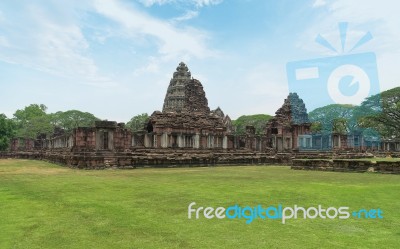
[(150, 158), (189, 157), (347, 165)]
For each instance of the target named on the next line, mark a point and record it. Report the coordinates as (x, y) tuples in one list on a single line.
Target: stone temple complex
[(187, 132), (186, 120)]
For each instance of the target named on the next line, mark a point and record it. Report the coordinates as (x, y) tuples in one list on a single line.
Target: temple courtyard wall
[(149, 158), (347, 165), (165, 158)]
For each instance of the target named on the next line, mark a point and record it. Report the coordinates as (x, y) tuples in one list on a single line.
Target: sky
[(115, 58)]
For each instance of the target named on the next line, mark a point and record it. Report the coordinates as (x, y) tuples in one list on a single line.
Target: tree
[(381, 112), (334, 118), (72, 119), (138, 122), (7, 131), (258, 121), (32, 121), (29, 112), (316, 127)]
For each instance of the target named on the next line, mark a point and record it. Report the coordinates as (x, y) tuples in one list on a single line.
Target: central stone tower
[(186, 121), (185, 94)]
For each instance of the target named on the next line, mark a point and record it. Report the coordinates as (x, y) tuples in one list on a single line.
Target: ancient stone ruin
[(290, 121), (185, 94), (186, 120), (185, 133)]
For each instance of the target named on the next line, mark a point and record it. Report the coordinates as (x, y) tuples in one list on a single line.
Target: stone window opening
[(105, 140), (149, 127)]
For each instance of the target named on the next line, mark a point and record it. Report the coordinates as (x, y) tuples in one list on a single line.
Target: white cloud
[(201, 3), (266, 83), (187, 16), (197, 3), (152, 67), (172, 41), (319, 3), (149, 3), (54, 47)]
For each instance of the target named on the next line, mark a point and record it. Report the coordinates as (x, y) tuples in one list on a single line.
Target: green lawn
[(48, 206)]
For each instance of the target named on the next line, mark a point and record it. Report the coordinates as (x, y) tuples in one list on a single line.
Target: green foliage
[(258, 121), (381, 112), (138, 122), (377, 115), (334, 118), (47, 206), (71, 119), (7, 131), (316, 127), (30, 112), (32, 121)]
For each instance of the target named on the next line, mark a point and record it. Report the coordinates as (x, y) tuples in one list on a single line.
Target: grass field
[(48, 206)]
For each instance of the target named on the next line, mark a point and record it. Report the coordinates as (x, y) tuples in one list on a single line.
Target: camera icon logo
[(342, 79)]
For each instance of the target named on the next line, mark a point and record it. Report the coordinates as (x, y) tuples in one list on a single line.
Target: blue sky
[(115, 58)]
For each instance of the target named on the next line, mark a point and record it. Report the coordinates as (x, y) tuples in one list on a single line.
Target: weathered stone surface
[(105, 124), (298, 110), (290, 121), (185, 93), (186, 120), (292, 112), (344, 165)]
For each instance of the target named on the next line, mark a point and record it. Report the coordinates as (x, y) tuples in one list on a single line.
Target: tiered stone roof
[(292, 112), (186, 106), (185, 93)]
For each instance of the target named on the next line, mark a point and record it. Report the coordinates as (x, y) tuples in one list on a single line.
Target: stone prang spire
[(293, 111), (184, 93)]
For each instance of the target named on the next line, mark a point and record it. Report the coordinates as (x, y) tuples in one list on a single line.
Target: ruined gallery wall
[(346, 165)]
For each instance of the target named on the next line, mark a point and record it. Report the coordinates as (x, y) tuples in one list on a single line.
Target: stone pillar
[(147, 140), (110, 140), (180, 141), (164, 140), (225, 142), (155, 141), (196, 141), (321, 142)]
